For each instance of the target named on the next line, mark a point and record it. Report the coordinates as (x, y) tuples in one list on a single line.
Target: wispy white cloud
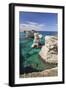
[(31, 26)]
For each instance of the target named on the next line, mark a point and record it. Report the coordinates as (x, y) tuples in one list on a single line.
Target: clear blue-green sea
[(30, 60)]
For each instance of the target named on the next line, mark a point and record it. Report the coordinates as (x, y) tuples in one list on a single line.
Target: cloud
[(31, 26)]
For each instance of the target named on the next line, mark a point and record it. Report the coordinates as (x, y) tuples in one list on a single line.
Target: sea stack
[(49, 52), (29, 33)]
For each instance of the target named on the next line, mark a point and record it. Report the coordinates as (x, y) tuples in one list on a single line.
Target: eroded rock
[(49, 52), (45, 73)]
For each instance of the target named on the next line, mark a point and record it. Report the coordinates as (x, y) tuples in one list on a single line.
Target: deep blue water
[(44, 33)]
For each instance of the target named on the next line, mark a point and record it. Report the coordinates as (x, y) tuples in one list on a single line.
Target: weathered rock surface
[(29, 34), (51, 72), (45, 73), (49, 52)]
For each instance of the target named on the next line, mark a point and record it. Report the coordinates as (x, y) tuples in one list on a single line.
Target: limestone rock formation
[(30, 33), (49, 52)]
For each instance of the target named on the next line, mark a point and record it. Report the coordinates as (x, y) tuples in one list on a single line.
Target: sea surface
[(44, 33), (29, 57)]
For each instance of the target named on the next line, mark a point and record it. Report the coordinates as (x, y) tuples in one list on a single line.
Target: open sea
[(44, 33)]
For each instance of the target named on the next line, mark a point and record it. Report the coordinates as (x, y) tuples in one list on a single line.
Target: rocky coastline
[(48, 54)]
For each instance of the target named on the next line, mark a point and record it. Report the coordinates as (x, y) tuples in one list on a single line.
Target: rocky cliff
[(49, 52)]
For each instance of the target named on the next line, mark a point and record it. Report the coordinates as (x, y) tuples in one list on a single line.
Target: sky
[(38, 21)]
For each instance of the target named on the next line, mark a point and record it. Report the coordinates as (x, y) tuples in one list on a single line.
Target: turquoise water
[(29, 57)]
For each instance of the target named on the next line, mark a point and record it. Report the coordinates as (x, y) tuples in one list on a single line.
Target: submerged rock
[(49, 52)]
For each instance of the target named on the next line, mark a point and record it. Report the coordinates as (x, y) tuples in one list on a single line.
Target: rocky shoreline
[(49, 51), (48, 54), (45, 73)]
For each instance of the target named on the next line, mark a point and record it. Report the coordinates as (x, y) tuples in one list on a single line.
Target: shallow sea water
[(30, 60)]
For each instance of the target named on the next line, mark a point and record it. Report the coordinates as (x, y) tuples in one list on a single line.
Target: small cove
[(29, 57)]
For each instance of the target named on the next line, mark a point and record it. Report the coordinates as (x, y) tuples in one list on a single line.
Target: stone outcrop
[(30, 34), (49, 52), (45, 73)]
